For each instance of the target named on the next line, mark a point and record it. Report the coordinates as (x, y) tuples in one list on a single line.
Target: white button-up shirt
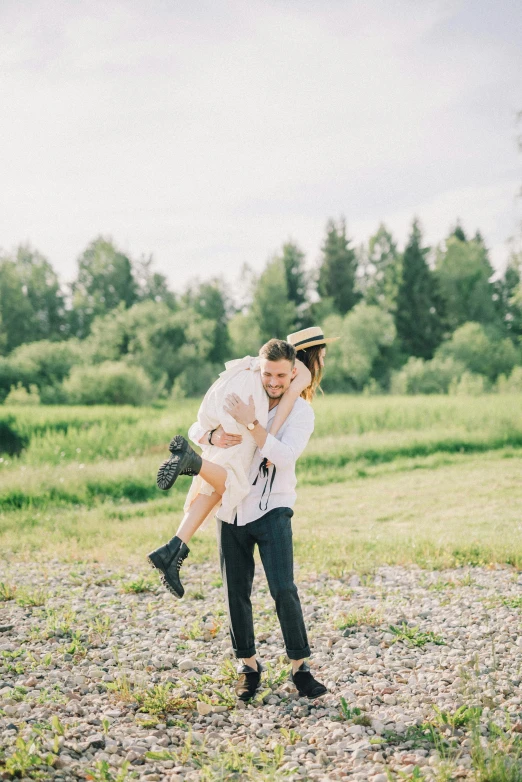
[(283, 450)]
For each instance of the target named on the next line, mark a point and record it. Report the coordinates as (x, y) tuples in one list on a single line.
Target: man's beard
[(275, 393)]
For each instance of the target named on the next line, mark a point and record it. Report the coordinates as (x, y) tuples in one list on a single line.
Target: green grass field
[(434, 481)]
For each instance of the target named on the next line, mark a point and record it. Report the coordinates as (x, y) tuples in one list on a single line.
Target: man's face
[(276, 376)]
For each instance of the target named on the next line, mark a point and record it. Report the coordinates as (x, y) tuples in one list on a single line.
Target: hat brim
[(314, 342)]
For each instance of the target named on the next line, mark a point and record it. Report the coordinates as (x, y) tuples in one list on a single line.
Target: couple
[(250, 474)]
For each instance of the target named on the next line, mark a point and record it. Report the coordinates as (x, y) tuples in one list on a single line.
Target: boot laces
[(180, 561)]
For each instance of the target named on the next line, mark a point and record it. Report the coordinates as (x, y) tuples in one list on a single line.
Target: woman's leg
[(215, 475), (196, 515)]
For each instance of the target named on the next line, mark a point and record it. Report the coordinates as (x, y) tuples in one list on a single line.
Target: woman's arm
[(301, 381)]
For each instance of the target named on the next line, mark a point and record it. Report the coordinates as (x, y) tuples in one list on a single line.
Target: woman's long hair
[(311, 359)]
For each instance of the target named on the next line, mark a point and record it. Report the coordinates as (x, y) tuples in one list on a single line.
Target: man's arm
[(295, 435), (199, 435)]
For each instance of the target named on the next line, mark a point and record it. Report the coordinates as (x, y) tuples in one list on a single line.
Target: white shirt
[(283, 450)]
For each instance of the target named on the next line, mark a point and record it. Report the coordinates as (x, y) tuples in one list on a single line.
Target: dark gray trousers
[(273, 535)]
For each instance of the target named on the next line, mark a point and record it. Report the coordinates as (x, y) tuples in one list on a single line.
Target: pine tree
[(338, 269), (419, 305), (293, 260), (383, 270)]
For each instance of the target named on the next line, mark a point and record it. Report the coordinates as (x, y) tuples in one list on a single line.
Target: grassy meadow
[(435, 481)]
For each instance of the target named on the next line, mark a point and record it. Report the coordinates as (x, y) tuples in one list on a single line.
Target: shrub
[(470, 384), (11, 441), (195, 380), (19, 395), (110, 383), (511, 384), (482, 351), (427, 377)]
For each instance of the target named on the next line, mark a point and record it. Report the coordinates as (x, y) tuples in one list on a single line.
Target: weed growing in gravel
[(346, 712), (103, 773), (413, 636), (158, 699), (139, 585), (463, 716), (291, 736), (273, 676), (29, 599), (233, 762), (512, 602), (364, 616), (100, 627), (497, 761), (7, 591), (28, 760), (9, 662), (59, 621)]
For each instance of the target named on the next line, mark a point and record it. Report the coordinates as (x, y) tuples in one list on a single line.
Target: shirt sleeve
[(294, 439), (196, 432)]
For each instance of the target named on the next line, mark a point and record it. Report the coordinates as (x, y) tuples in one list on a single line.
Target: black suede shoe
[(248, 682), (184, 461), (307, 686), (168, 559)]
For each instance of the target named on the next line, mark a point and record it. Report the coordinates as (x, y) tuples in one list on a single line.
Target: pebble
[(151, 641)]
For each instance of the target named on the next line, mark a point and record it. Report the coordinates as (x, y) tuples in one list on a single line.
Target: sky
[(207, 134)]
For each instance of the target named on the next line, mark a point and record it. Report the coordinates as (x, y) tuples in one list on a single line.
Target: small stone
[(204, 708), (186, 665)]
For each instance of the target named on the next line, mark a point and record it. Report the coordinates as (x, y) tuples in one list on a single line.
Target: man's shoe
[(248, 682), (307, 686), (168, 559), (184, 461)]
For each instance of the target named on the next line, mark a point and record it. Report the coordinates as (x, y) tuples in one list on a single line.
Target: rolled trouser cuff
[(246, 653), (298, 654)]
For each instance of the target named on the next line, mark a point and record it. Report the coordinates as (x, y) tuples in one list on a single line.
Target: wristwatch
[(252, 425)]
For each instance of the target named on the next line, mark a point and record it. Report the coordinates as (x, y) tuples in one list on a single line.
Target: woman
[(221, 475)]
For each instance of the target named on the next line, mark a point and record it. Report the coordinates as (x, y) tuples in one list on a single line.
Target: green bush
[(110, 383), (482, 351), (470, 384), (19, 395), (195, 380), (427, 377), (511, 384), (11, 440)]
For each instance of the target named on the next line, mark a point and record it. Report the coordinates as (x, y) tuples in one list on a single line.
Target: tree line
[(416, 320)]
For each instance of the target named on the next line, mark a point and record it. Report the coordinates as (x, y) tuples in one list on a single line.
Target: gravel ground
[(100, 674)]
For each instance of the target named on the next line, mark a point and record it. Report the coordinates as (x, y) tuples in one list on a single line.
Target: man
[(264, 518)]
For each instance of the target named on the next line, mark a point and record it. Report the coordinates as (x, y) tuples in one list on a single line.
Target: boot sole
[(163, 577), (169, 469), (177, 443)]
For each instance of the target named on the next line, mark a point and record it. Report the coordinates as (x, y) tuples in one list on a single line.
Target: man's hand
[(224, 440), (242, 413)]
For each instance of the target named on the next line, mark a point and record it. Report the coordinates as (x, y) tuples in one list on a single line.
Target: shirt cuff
[(196, 432), (267, 449)]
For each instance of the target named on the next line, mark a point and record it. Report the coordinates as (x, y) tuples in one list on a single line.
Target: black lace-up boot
[(168, 559), (184, 461), (306, 685)]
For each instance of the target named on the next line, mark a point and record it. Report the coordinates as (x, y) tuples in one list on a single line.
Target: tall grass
[(57, 435), (88, 474)]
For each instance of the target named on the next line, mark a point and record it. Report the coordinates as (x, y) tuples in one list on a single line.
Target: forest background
[(416, 320)]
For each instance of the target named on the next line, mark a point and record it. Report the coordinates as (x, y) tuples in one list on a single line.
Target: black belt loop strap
[(264, 471)]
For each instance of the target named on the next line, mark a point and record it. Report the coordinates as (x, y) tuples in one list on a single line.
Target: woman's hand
[(224, 440), (302, 379)]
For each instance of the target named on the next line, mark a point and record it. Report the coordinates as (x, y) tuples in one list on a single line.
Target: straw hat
[(307, 338)]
